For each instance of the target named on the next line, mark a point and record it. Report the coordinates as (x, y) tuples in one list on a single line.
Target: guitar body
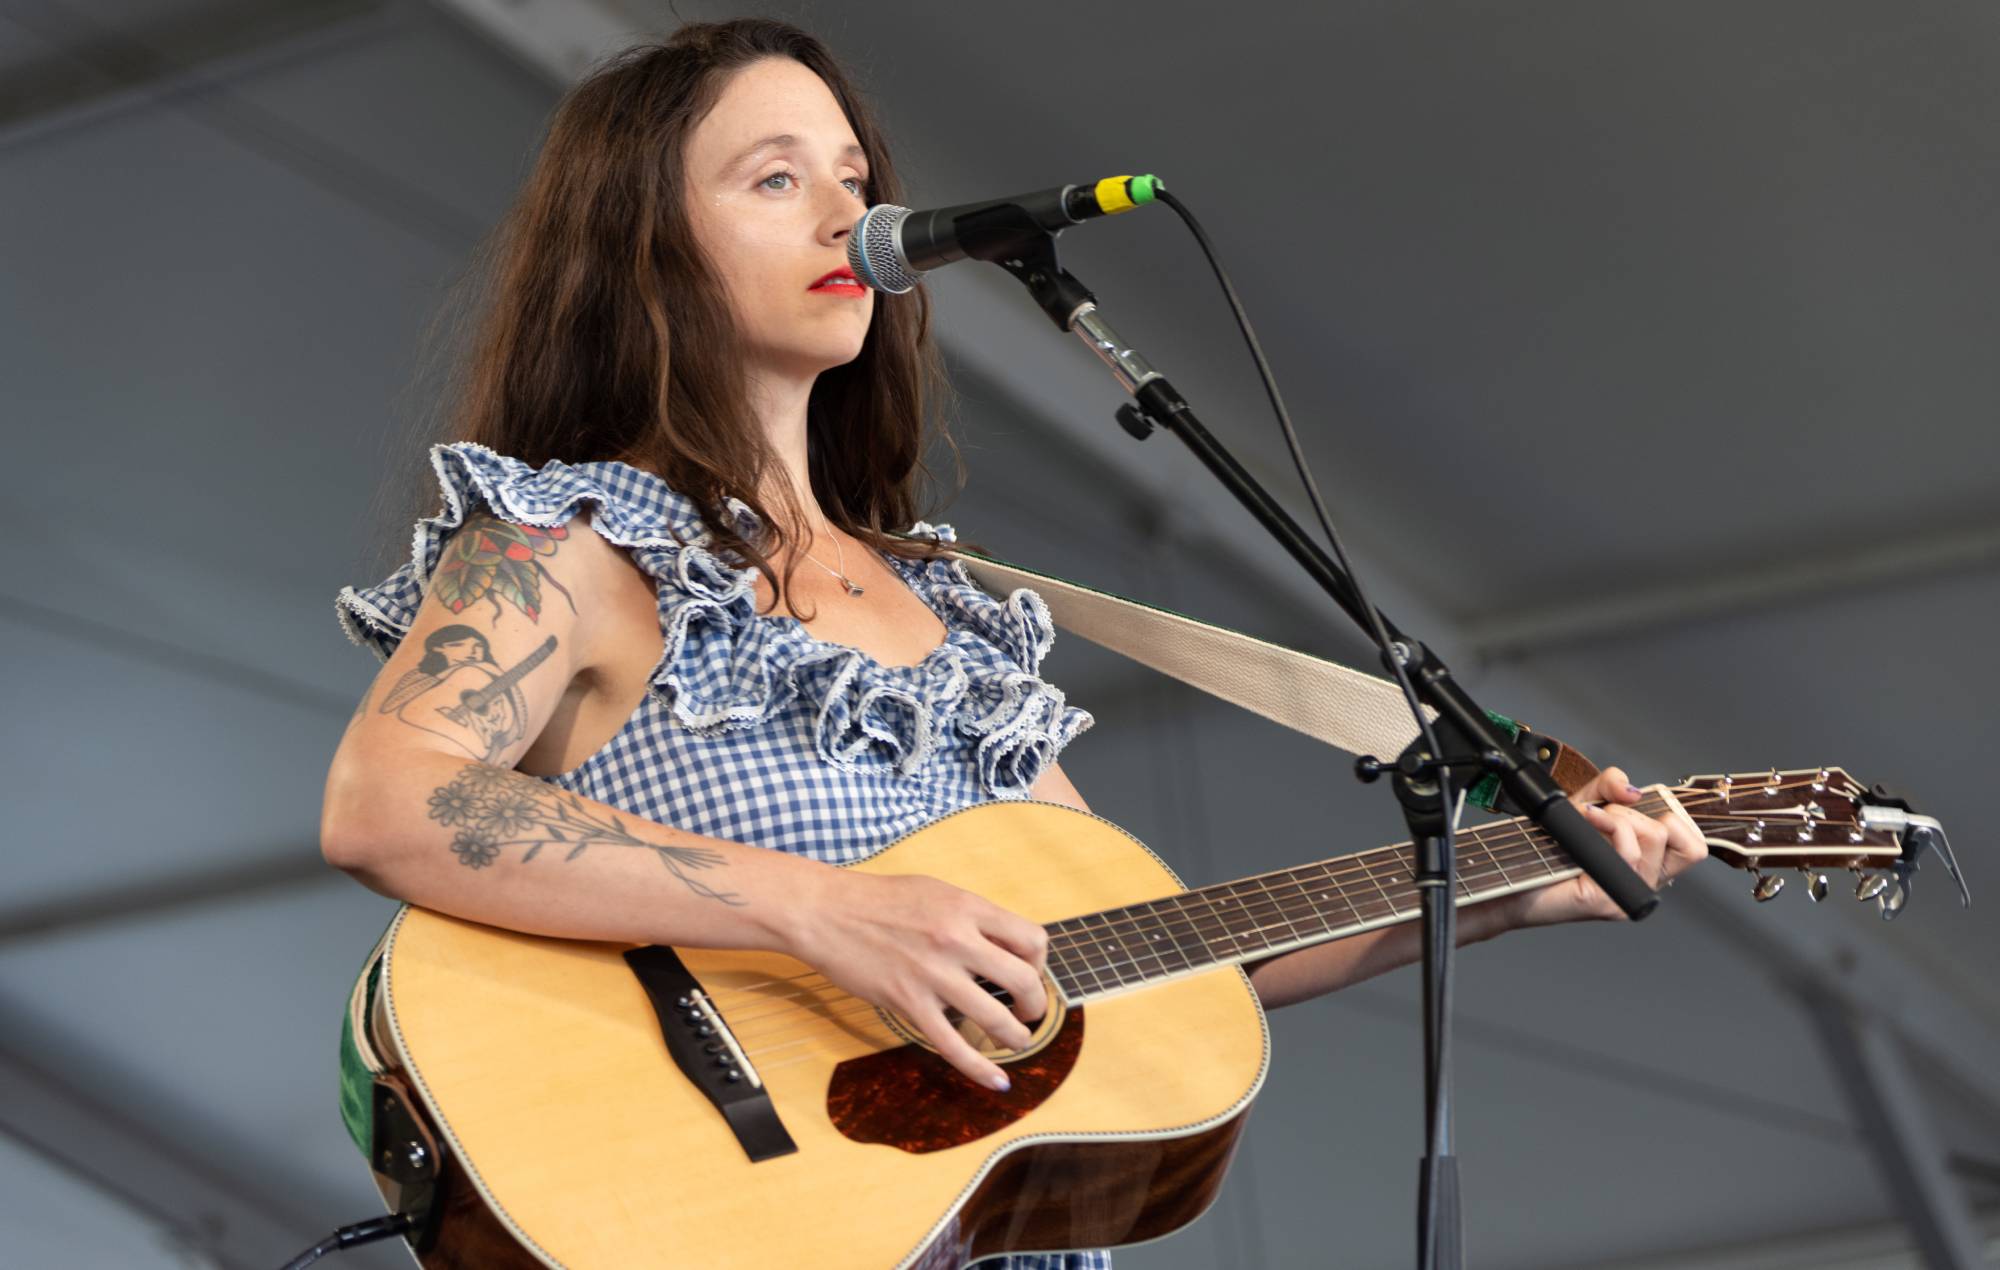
[(542, 1067)]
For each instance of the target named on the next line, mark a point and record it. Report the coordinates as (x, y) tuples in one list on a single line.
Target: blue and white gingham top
[(753, 730)]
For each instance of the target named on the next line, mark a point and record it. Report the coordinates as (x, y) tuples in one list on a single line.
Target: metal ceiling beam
[(1529, 632), (99, 71), (162, 654), (1892, 1116), (558, 39), (181, 889), (211, 1214), (202, 94)]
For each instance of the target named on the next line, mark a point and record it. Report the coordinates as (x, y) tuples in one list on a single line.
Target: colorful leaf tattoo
[(494, 559), (494, 808)]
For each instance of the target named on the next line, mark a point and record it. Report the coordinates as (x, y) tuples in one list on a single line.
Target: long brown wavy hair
[(608, 334)]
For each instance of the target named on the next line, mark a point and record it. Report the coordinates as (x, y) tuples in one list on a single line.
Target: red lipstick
[(840, 282)]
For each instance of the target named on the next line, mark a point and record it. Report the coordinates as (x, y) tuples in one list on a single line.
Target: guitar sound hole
[(1040, 1032)]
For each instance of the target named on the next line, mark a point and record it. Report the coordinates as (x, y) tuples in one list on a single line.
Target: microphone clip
[(1008, 236)]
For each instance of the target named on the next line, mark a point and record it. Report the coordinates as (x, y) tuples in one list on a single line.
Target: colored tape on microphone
[(1123, 193)]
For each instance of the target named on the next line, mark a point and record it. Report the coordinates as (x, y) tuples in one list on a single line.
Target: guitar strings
[(765, 1051), (1285, 908), (1087, 939), (1688, 795), (1349, 867), (1361, 865), (1341, 871), (1525, 849), (1356, 865), (1345, 871)]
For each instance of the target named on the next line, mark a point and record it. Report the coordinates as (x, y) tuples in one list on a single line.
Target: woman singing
[(678, 584)]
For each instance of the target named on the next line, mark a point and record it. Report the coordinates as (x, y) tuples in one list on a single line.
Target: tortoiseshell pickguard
[(911, 1099)]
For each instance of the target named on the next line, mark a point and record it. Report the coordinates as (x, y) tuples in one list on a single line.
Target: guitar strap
[(1343, 707)]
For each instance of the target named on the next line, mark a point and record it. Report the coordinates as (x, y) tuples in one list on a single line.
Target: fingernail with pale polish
[(1002, 1084), (1634, 791)]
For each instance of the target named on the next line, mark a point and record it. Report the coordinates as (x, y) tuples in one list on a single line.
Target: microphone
[(892, 246)]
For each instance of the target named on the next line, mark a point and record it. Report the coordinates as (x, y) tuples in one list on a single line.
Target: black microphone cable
[(1376, 628), (365, 1232), (1438, 1079)]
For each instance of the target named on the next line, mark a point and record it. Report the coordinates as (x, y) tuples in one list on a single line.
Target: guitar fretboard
[(1101, 953)]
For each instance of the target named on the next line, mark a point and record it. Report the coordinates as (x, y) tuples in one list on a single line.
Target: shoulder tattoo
[(494, 560)]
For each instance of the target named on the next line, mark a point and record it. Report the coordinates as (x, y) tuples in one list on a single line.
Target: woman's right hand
[(913, 945)]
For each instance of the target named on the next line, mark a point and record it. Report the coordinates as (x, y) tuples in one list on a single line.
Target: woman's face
[(775, 181)]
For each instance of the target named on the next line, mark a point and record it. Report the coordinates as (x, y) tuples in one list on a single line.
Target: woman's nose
[(839, 222), (842, 209)]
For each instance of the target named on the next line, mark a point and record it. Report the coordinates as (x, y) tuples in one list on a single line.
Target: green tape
[(357, 1083), (1486, 793), (1141, 188)]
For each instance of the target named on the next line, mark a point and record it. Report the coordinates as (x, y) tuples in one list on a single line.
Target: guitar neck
[(1233, 922), (499, 685)]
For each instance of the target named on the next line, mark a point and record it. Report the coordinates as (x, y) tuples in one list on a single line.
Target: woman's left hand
[(1657, 848)]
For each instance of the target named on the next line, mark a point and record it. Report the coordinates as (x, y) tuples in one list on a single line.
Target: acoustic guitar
[(589, 1105)]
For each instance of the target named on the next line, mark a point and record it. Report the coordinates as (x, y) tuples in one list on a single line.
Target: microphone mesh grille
[(874, 253)]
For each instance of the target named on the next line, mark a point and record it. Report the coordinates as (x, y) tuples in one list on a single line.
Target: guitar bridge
[(707, 1053)]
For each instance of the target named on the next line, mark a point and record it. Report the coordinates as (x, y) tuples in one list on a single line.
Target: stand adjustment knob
[(1135, 421)]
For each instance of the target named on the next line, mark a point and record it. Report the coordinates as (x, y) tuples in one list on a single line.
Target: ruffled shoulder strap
[(1017, 624), (1019, 722), (629, 507), (722, 665)]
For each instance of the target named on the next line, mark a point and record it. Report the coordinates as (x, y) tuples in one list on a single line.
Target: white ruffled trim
[(902, 710)]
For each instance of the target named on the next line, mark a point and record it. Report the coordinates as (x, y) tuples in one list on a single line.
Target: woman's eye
[(855, 184)]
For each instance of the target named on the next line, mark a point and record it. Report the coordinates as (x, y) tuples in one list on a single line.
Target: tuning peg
[(1870, 886), (1768, 886), (1893, 899), (1815, 883)]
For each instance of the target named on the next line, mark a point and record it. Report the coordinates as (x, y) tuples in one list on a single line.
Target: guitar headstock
[(1815, 820)]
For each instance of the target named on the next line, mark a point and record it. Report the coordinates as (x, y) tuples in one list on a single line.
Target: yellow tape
[(1112, 195)]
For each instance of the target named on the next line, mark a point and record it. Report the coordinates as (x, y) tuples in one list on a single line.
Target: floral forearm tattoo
[(494, 809)]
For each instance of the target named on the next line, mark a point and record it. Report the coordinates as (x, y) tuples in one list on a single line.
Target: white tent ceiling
[(1642, 350)]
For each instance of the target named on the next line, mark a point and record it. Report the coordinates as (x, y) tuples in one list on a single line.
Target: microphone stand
[(1005, 235)]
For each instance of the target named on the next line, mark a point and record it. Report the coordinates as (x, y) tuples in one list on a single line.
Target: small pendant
[(852, 587)]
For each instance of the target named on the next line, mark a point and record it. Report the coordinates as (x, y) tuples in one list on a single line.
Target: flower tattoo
[(495, 808), (455, 804), (475, 851)]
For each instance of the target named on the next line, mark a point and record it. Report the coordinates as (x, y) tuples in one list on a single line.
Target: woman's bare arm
[(422, 805)]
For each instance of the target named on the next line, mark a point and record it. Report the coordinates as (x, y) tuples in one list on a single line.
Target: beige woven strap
[(1357, 712)]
